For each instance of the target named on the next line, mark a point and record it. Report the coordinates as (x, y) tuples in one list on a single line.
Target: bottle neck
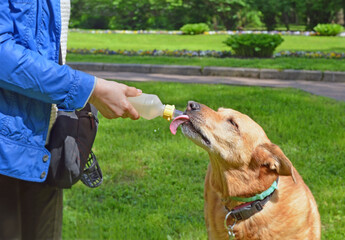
[(177, 113)]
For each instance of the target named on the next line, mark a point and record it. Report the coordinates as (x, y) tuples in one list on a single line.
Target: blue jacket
[(30, 81)]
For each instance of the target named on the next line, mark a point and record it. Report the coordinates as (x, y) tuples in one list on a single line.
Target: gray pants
[(29, 210)]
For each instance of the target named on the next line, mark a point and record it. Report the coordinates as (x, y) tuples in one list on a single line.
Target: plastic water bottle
[(149, 106)]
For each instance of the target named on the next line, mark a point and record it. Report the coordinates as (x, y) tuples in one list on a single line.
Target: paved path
[(335, 90)]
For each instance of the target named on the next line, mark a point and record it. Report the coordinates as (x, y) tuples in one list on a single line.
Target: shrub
[(328, 29), (254, 45), (194, 28)]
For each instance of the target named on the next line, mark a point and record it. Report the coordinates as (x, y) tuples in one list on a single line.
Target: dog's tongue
[(177, 122)]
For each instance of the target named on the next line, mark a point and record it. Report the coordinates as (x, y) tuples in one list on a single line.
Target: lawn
[(197, 42), (205, 42), (269, 63), (153, 181)]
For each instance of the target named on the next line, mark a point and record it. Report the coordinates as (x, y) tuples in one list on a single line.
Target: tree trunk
[(286, 20), (229, 24)]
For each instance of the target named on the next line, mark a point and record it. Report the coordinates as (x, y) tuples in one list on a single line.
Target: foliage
[(91, 14), (194, 28), (153, 181), (131, 14), (249, 19), (254, 45), (218, 14), (268, 8), (288, 12), (320, 11), (226, 11), (328, 29)]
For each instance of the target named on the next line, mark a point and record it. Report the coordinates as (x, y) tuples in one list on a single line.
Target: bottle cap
[(168, 112)]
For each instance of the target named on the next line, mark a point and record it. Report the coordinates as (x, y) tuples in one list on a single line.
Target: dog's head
[(233, 138)]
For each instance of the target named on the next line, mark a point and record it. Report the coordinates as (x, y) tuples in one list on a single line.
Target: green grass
[(205, 42), (277, 63), (153, 181), (197, 42)]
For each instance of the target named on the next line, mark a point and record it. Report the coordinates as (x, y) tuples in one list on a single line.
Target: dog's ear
[(272, 156)]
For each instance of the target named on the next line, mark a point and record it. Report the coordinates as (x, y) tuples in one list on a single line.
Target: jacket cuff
[(93, 88), (80, 91)]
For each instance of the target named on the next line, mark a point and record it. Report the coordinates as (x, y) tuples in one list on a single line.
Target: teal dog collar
[(259, 196)]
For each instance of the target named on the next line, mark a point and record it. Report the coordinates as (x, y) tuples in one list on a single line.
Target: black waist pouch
[(70, 142)]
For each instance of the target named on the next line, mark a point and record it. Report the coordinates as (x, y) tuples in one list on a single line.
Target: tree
[(287, 11), (91, 14), (343, 7), (269, 10), (226, 11), (321, 11), (130, 14), (172, 14)]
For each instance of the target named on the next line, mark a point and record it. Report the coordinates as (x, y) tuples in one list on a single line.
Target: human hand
[(110, 98)]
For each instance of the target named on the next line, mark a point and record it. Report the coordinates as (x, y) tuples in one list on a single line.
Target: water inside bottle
[(148, 106)]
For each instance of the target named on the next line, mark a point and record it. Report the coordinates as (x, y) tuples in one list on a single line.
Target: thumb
[(133, 92)]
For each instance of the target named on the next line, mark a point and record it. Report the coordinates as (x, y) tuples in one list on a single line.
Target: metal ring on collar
[(230, 228)]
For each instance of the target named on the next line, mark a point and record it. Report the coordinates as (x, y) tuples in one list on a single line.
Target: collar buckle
[(245, 211), (258, 205)]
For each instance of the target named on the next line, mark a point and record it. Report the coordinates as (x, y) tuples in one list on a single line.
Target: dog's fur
[(243, 163)]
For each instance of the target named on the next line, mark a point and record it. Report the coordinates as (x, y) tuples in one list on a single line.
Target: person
[(34, 82)]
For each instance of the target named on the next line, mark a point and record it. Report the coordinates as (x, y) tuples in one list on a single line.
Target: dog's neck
[(240, 181)]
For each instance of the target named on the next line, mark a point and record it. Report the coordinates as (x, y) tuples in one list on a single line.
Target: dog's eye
[(232, 122)]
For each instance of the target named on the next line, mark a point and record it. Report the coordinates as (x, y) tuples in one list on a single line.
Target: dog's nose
[(193, 106)]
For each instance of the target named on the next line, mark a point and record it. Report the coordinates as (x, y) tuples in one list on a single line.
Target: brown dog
[(243, 164)]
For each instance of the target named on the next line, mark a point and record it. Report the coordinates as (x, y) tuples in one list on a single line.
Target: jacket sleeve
[(28, 73)]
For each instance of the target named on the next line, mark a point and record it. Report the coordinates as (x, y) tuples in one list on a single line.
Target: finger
[(124, 115), (132, 112), (135, 117), (110, 113), (133, 92)]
